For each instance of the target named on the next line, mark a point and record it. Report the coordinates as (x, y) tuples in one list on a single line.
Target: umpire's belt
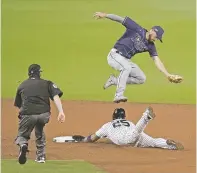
[(120, 53)]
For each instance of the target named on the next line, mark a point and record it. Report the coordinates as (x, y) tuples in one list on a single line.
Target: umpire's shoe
[(40, 160), (22, 154)]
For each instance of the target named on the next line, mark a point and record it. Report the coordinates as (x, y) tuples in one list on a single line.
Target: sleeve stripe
[(124, 20)]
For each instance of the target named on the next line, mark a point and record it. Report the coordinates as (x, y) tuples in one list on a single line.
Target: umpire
[(33, 99)]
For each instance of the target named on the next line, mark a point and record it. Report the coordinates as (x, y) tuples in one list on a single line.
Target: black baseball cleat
[(22, 154)]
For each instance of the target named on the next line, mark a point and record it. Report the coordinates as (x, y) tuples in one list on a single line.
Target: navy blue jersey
[(134, 40)]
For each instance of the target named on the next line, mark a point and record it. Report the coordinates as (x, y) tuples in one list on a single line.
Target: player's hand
[(99, 15), (78, 138), (61, 117)]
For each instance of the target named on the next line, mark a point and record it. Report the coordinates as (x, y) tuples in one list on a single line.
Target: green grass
[(72, 47), (10, 166)]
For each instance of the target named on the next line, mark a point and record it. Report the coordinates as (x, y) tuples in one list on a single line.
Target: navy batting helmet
[(119, 113)]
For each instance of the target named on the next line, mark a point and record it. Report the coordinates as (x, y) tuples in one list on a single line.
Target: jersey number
[(121, 123)]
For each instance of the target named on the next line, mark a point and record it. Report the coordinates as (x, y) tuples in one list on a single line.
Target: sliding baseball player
[(123, 132)]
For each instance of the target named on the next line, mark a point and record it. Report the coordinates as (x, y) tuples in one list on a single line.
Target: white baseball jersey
[(123, 132), (119, 131)]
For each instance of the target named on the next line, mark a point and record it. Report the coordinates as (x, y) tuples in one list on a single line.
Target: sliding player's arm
[(102, 132)]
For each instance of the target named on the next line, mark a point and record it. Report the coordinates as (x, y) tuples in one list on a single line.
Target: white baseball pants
[(140, 139)]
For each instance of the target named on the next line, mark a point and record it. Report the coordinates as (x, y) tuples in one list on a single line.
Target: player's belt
[(120, 53)]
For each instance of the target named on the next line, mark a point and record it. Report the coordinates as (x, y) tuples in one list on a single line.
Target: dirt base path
[(172, 121)]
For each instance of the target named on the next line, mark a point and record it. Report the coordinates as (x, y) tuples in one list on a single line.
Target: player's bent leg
[(161, 143), (146, 117), (141, 125), (136, 75), (112, 80), (116, 61), (122, 81), (145, 141), (121, 64)]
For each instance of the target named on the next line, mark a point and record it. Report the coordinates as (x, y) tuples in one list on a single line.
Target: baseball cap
[(34, 68), (159, 31)]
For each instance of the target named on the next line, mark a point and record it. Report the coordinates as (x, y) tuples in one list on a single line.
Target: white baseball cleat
[(150, 113), (119, 99), (109, 82)]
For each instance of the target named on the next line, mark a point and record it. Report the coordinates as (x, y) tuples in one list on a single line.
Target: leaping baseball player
[(136, 39), (123, 132)]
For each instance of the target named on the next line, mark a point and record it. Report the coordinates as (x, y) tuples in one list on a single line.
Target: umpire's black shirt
[(33, 96)]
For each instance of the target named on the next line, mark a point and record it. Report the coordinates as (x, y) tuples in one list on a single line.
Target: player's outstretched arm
[(100, 15), (91, 138), (160, 65), (102, 132), (172, 78)]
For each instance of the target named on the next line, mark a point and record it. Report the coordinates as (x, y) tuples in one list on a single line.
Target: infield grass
[(72, 47), (11, 166)]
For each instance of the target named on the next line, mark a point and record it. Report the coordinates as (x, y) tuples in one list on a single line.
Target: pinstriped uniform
[(123, 132)]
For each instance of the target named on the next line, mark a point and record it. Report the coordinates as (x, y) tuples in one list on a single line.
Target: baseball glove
[(175, 79), (78, 138)]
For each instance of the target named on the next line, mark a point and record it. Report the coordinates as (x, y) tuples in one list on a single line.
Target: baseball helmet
[(34, 69), (119, 113)]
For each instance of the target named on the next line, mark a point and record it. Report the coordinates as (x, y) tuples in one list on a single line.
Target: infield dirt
[(176, 122)]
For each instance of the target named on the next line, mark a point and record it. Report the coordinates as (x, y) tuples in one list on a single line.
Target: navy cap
[(159, 31), (34, 68)]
